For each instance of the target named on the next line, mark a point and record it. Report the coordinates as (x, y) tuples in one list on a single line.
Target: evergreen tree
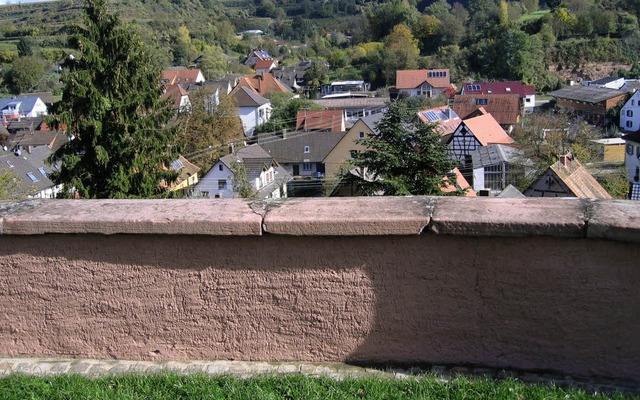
[(401, 159), (111, 107)]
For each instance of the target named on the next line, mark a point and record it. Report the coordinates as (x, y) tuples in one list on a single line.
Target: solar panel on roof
[(431, 116)]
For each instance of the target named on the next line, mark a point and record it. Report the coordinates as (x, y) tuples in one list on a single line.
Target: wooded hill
[(480, 39)]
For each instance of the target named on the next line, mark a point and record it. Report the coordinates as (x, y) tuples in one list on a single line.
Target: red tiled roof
[(509, 87), (487, 130), (264, 64), (324, 120), (461, 184), (411, 79), (263, 84), (174, 94), (505, 108), (175, 76)]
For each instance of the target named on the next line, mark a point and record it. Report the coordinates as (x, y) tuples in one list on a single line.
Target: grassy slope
[(280, 387)]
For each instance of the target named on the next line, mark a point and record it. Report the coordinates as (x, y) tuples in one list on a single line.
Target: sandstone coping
[(350, 216), (509, 217), (225, 217), (617, 220)]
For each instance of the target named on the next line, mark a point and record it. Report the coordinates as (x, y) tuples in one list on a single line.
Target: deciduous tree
[(207, 129), (111, 106)]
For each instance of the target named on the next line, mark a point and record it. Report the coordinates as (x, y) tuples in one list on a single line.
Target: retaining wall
[(534, 284)]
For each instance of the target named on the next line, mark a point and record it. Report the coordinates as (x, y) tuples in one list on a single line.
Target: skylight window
[(482, 102), (32, 177), (473, 88), (42, 171)]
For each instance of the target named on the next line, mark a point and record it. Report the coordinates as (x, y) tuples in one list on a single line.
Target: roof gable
[(411, 79), (486, 130), (303, 147), (245, 97), (576, 177), (264, 84), (505, 108), (507, 87), (182, 75), (587, 94)]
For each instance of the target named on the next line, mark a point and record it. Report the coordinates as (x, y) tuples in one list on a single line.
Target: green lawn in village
[(172, 387)]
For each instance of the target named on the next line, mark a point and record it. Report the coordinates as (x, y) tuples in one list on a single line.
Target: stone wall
[(534, 284)]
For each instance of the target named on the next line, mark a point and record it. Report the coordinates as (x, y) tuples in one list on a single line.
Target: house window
[(222, 184), (307, 149), (632, 101), (352, 154), (306, 166), (629, 113), (629, 124), (482, 102), (630, 149), (361, 135), (220, 168), (205, 193)]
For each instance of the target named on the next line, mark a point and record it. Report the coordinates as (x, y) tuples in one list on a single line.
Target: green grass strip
[(158, 387)]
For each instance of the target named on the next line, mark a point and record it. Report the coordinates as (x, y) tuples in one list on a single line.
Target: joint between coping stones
[(589, 212), (430, 208), (262, 208)]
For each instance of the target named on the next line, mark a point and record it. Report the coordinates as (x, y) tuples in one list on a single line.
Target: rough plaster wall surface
[(544, 303)]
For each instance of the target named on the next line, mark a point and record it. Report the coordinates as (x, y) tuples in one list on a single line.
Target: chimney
[(284, 133), (231, 148), (566, 159)]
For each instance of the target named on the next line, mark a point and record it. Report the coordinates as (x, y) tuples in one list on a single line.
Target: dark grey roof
[(495, 154), (372, 121), (245, 97), (47, 97), (632, 137), (604, 81), (588, 94), (253, 157), (26, 165), (33, 138), (292, 149)]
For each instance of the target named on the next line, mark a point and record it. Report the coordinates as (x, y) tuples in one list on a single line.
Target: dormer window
[(307, 149), (482, 102)]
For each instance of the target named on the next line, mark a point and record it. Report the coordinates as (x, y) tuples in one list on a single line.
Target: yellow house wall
[(341, 154)]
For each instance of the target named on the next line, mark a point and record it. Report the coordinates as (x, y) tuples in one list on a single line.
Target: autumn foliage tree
[(206, 130), (119, 145)]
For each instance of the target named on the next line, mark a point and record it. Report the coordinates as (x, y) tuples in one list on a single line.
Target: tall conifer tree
[(401, 159), (112, 109)]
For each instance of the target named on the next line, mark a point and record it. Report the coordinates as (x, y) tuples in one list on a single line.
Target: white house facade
[(630, 114), (253, 109), (23, 107), (632, 163), (267, 177)]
